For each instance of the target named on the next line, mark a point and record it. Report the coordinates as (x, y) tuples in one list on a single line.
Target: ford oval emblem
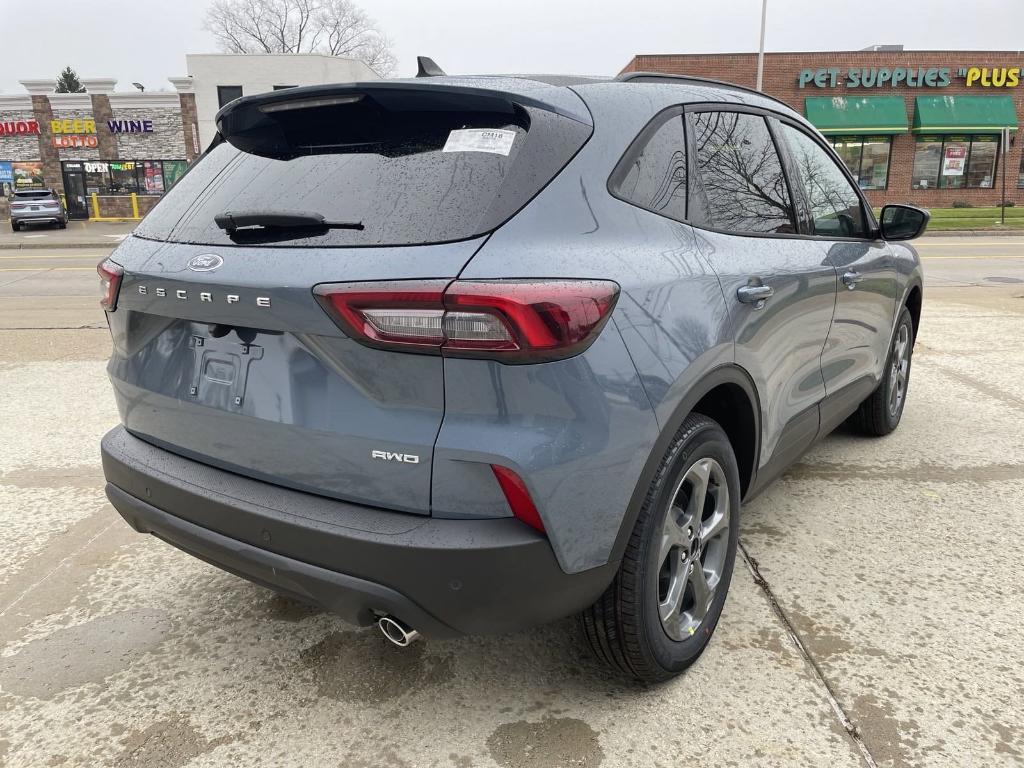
[(205, 262)]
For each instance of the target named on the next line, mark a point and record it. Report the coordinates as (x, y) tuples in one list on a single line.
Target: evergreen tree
[(68, 82)]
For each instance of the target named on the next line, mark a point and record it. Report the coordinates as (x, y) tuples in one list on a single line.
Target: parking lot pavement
[(78, 234), (874, 621)]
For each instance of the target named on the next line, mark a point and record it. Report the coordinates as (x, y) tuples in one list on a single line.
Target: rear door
[(836, 216), (779, 286), (222, 352)]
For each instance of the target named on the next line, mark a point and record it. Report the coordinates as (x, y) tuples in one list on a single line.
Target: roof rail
[(653, 77)]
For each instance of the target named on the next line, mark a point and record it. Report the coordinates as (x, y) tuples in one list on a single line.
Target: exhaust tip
[(397, 631)]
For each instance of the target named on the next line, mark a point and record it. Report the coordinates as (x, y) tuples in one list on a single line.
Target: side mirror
[(903, 222)]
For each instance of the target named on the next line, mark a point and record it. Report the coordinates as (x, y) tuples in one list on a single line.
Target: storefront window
[(849, 150), (867, 157), (953, 173), (874, 165), (173, 170), (97, 178), (151, 177), (927, 154), (981, 172), (122, 178), (28, 175), (955, 162)]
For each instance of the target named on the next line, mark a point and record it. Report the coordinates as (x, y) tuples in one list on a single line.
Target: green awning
[(864, 115), (964, 114)]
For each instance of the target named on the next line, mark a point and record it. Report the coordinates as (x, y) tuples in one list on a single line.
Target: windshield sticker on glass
[(493, 140)]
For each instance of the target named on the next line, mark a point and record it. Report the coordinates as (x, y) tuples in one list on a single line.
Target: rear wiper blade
[(234, 220)]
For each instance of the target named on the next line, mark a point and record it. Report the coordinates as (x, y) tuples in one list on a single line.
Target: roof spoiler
[(427, 67)]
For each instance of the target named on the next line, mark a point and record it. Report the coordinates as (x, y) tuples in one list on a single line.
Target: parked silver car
[(37, 206)]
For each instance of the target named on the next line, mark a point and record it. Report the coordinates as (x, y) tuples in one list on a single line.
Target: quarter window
[(955, 162), (742, 186), (653, 174), (835, 206)]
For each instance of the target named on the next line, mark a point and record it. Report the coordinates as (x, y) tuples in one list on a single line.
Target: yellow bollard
[(135, 206), (95, 206)]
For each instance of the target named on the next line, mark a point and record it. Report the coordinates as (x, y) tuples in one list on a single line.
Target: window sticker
[(492, 140)]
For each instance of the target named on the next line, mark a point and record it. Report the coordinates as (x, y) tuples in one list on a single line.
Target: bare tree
[(334, 27)]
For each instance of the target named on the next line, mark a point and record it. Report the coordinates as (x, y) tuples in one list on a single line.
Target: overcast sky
[(133, 41)]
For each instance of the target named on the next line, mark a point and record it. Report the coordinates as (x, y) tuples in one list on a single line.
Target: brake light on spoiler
[(514, 321)]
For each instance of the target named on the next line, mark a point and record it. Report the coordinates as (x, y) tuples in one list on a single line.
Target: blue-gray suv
[(461, 355)]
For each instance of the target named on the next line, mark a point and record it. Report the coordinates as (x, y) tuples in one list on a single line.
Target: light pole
[(760, 51)]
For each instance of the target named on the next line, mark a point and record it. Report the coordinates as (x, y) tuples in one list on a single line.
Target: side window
[(836, 209), (742, 184), (652, 175)]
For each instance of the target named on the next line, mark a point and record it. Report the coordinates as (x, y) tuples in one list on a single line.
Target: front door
[(858, 341), (74, 194), (779, 286)]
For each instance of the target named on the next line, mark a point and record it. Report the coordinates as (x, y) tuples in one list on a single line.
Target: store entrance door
[(74, 194)]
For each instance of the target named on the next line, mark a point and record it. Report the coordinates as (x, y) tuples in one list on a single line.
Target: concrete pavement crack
[(816, 672)]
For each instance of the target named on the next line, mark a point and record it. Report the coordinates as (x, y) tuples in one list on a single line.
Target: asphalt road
[(874, 618)]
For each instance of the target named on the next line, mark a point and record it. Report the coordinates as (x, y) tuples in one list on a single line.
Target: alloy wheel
[(899, 370), (693, 546)]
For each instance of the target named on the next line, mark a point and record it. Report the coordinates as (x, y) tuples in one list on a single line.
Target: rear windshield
[(409, 178), (34, 194)]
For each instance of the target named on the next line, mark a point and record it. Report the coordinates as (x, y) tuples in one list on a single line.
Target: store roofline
[(825, 53)]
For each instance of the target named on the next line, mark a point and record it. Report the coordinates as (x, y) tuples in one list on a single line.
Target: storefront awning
[(964, 114), (863, 115)]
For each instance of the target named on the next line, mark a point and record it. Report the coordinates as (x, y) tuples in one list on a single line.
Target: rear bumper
[(442, 577), (37, 218)]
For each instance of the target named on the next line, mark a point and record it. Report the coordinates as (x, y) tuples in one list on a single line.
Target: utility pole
[(760, 51)]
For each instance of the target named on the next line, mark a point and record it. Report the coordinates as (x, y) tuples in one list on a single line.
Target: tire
[(15, 226), (881, 412), (62, 225), (625, 628)]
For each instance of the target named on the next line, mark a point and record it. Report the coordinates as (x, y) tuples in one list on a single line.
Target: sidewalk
[(79, 234)]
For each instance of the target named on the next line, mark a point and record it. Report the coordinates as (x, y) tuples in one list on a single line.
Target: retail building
[(913, 126), (112, 154)]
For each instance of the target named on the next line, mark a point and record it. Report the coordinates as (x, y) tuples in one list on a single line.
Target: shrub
[(961, 204)]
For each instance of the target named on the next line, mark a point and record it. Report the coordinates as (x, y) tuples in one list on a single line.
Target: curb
[(55, 246)]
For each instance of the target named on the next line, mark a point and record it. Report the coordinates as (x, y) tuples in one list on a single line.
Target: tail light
[(514, 321), (17, 206), (110, 281), (518, 496)]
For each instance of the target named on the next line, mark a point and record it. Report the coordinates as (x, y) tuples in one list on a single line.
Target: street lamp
[(142, 88), (760, 52)]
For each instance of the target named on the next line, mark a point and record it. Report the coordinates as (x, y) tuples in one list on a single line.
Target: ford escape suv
[(462, 355)]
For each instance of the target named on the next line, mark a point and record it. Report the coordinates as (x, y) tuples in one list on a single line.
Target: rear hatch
[(222, 352)]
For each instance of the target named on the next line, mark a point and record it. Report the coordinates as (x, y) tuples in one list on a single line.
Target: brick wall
[(76, 153), (780, 80), (190, 126), (18, 146), (48, 154), (164, 143), (102, 112)]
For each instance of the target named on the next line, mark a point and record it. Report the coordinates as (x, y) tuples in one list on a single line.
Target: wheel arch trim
[(729, 374)]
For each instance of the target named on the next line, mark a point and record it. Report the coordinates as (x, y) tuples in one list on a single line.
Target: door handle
[(754, 294), (851, 278)]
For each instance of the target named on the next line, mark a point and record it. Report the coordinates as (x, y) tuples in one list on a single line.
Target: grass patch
[(953, 219), (975, 213)]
